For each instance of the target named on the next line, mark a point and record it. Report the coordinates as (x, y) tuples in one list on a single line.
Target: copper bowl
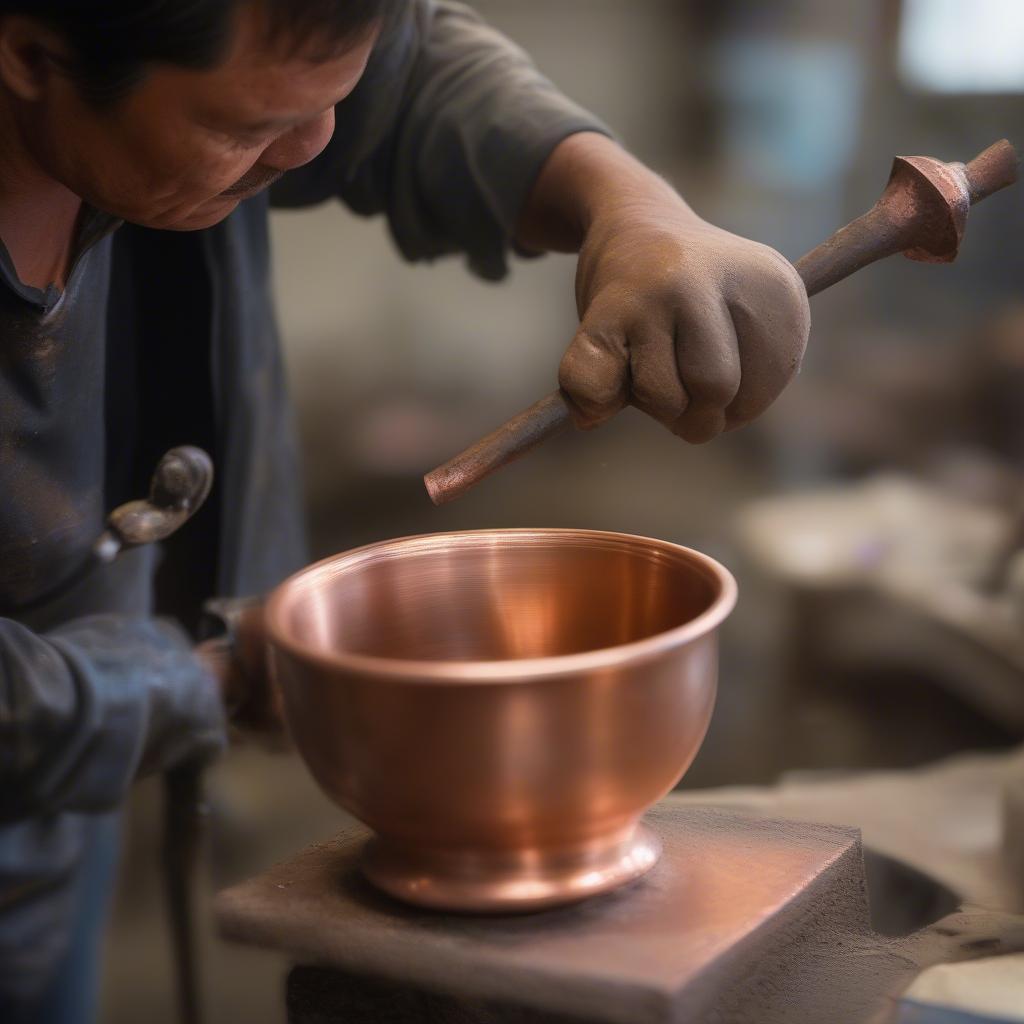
[(500, 707)]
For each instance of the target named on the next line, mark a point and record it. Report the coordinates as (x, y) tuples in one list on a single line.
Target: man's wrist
[(588, 177)]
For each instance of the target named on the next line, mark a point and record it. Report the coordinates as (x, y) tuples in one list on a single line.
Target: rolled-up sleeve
[(445, 133), (87, 707)]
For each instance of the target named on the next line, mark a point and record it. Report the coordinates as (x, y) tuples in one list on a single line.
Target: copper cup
[(500, 707)]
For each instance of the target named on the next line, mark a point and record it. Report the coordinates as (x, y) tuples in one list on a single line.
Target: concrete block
[(743, 919)]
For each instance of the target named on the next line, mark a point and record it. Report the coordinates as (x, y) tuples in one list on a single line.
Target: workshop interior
[(848, 841)]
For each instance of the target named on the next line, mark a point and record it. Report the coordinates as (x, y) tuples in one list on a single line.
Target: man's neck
[(38, 215)]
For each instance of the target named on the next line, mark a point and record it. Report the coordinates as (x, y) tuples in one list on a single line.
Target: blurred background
[(873, 517)]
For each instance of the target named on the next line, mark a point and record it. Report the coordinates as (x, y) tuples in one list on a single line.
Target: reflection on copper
[(500, 707)]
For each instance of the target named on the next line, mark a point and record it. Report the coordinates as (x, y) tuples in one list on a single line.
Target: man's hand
[(251, 701), (699, 328)]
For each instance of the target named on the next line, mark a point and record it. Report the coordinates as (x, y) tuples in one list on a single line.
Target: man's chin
[(193, 218), (213, 211)]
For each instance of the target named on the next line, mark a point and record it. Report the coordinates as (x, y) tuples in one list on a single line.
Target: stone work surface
[(743, 919), (955, 828), (746, 920), (325, 995)]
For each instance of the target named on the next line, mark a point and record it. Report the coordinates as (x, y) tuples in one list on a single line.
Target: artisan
[(142, 144)]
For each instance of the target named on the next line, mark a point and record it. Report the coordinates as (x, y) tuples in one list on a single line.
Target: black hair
[(112, 42)]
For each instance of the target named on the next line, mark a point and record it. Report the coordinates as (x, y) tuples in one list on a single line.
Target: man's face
[(184, 147)]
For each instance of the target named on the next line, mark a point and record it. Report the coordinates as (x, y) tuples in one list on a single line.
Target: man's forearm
[(85, 706), (587, 173)]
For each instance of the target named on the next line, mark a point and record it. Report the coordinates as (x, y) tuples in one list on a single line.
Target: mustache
[(254, 180)]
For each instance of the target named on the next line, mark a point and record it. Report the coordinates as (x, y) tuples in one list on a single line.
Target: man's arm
[(445, 134), (699, 328), (467, 147), (86, 707)]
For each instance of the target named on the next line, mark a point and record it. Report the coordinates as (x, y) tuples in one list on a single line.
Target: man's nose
[(301, 144)]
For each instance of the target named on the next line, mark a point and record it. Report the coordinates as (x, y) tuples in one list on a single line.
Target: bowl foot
[(488, 881)]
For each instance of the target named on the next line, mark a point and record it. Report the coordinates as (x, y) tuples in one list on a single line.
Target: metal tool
[(922, 213), (180, 484), (184, 818)]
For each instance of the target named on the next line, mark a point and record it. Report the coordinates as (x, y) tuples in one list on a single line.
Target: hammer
[(922, 213)]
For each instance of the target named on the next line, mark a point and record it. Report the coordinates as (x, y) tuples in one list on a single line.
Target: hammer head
[(934, 198)]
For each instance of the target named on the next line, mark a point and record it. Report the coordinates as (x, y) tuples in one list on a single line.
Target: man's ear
[(31, 56)]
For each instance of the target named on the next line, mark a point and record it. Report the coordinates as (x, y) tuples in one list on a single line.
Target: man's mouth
[(256, 179)]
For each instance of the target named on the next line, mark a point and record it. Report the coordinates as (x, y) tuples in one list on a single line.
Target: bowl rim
[(499, 670)]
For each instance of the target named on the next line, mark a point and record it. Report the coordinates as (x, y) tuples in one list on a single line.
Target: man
[(139, 141)]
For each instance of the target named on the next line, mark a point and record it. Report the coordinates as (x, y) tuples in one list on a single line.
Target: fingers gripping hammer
[(922, 213)]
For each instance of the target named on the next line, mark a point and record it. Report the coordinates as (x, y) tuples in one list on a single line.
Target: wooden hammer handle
[(921, 213)]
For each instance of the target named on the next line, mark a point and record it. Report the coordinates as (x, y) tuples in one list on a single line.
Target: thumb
[(594, 376)]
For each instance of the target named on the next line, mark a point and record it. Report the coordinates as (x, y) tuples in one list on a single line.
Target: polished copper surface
[(500, 707)]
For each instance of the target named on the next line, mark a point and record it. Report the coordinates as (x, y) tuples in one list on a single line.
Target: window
[(963, 46)]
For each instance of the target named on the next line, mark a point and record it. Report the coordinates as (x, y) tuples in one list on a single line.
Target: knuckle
[(618, 303), (718, 391), (790, 299), (710, 366), (754, 399), (655, 385), (700, 427), (665, 408), (674, 285), (777, 291), (593, 398), (659, 402), (714, 387), (772, 337), (595, 380)]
